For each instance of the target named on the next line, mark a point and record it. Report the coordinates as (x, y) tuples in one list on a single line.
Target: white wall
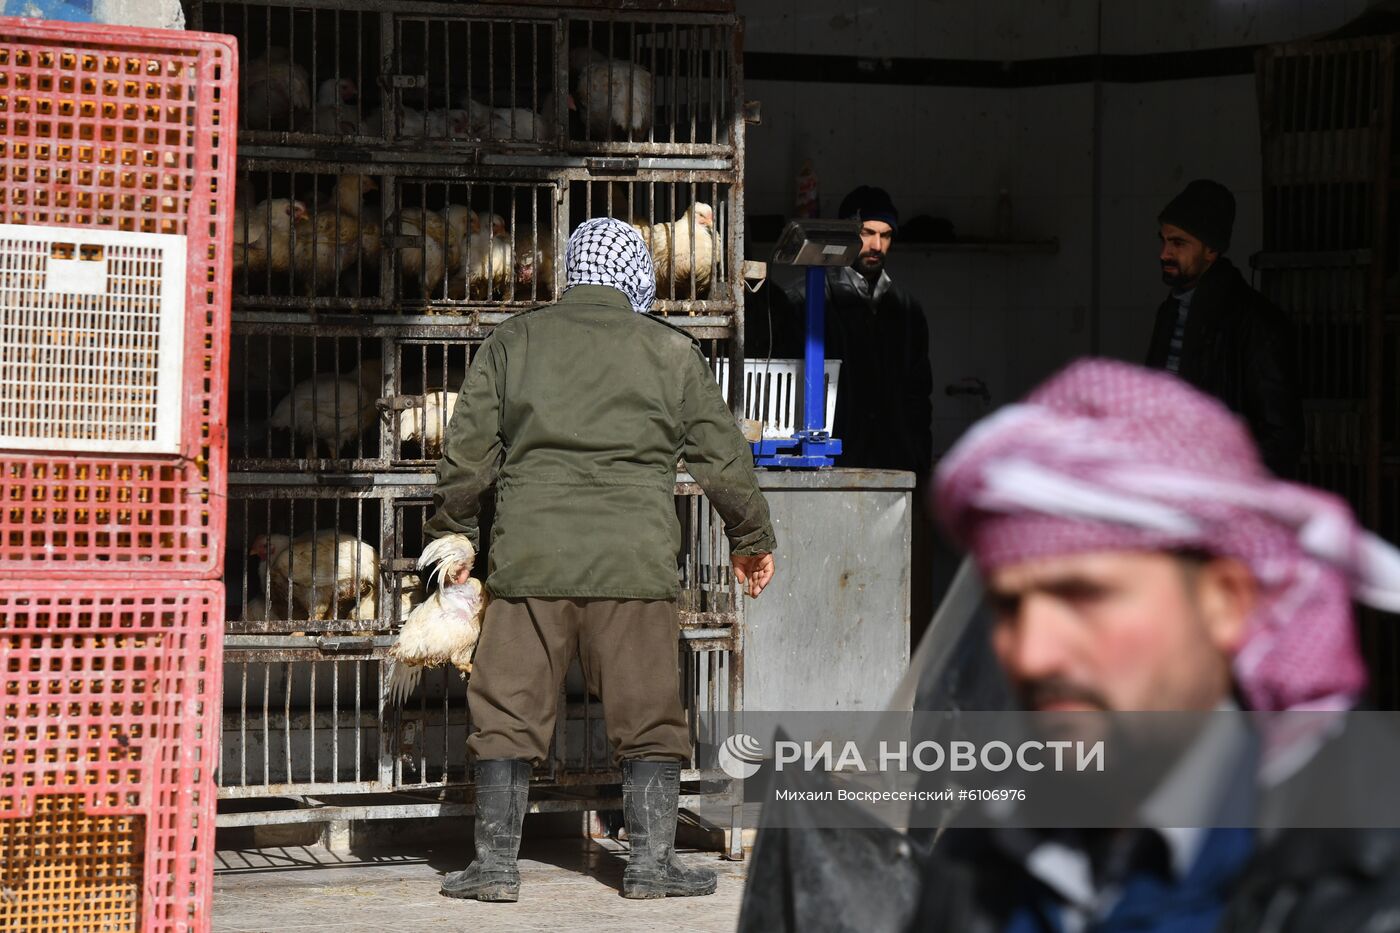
[(155, 14), (1013, 320)]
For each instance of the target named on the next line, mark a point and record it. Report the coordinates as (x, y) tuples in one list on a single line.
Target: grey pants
[(627, 649)]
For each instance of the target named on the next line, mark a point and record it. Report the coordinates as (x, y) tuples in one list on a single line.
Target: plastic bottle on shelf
[(808, 203)]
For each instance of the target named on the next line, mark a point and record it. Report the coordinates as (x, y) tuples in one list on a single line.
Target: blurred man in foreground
[(1128, 571)]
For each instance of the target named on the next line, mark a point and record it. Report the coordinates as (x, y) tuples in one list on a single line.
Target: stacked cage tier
[(409, 177)]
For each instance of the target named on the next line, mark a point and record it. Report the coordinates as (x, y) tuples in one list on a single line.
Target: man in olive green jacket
[(577, 414)]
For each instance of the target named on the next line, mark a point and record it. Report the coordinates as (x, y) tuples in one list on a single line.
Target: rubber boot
[(502, 796), (650, 795)]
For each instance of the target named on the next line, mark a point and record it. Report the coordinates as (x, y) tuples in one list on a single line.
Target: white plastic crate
[(92, 326), (773, 393)]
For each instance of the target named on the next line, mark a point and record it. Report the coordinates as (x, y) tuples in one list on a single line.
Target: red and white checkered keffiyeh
[(1107, 456)]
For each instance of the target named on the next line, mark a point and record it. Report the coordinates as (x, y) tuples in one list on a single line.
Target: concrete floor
[(566, 885)]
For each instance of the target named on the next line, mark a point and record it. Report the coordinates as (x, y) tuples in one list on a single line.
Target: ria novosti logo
[(740, 756)]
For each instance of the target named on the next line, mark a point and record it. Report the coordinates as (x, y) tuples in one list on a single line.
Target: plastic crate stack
[(116, 158), (408, 178)]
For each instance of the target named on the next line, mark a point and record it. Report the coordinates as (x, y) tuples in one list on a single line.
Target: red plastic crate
[(115, 128), (110, 694)]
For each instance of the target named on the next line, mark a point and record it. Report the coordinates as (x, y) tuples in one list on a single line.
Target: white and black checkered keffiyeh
[(606, 251)]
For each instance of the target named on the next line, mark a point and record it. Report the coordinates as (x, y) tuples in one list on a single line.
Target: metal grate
[(653, 84), (773, 393), (1327, 127), (299, 400), (306, 559), (91, 341), (306, 73), (475, 80), (405, 239), (690, 222), (303, 704), (463, 241), (66, 870), (426, 380)]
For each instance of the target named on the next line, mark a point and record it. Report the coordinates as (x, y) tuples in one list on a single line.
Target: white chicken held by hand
[(444, 627)]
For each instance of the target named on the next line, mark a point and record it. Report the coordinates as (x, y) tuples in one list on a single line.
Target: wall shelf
[(1048, 246)]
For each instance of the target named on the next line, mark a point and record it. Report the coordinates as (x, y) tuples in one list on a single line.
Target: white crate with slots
[(773, 394), (92, 340)]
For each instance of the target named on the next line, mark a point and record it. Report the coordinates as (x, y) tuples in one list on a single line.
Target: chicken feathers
[(444, 627)]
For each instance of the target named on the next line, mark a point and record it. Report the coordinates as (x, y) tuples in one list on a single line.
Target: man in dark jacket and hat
[(1219, 334), (878, 332)]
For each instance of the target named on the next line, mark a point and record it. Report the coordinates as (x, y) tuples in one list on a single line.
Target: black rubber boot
[(650, 795), (502, 796)]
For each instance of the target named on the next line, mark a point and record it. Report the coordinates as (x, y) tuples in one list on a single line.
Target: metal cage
[(363, 395), (654, 84), (693, 223), (305, 707), (525, 80), (343, 236), (1327, 126), (408, 177)]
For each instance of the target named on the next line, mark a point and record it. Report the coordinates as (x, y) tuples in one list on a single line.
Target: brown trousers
[(627, 649)]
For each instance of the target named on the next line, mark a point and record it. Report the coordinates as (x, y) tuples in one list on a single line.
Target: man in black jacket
[(1219, 334), (878, 332)]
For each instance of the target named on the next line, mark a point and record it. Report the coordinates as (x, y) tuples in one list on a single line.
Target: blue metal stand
[(814, 447)]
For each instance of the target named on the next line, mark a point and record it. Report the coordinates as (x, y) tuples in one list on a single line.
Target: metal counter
[(832, 631)]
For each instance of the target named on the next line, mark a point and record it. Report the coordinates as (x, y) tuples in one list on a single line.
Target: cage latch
[(331, 644), (612, 165), (399, 403)]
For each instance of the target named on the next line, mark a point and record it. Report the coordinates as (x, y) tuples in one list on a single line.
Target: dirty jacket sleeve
[(721, 461), (471, 451)]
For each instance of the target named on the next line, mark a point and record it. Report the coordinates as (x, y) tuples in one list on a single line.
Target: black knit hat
[(870, 203), (1206, 210)]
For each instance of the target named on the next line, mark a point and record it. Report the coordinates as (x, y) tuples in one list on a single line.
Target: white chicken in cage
[(257, 610), (444, 627), (319, 576), (434, 251), (439, 123), (683, 252), (534, 262), (426, 421), (335, 238), (335, 110), (486, 263), (262, 237), (614, 98), (490, 265), (331, 410), (521, 124), (274, 92), (462, 221)]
